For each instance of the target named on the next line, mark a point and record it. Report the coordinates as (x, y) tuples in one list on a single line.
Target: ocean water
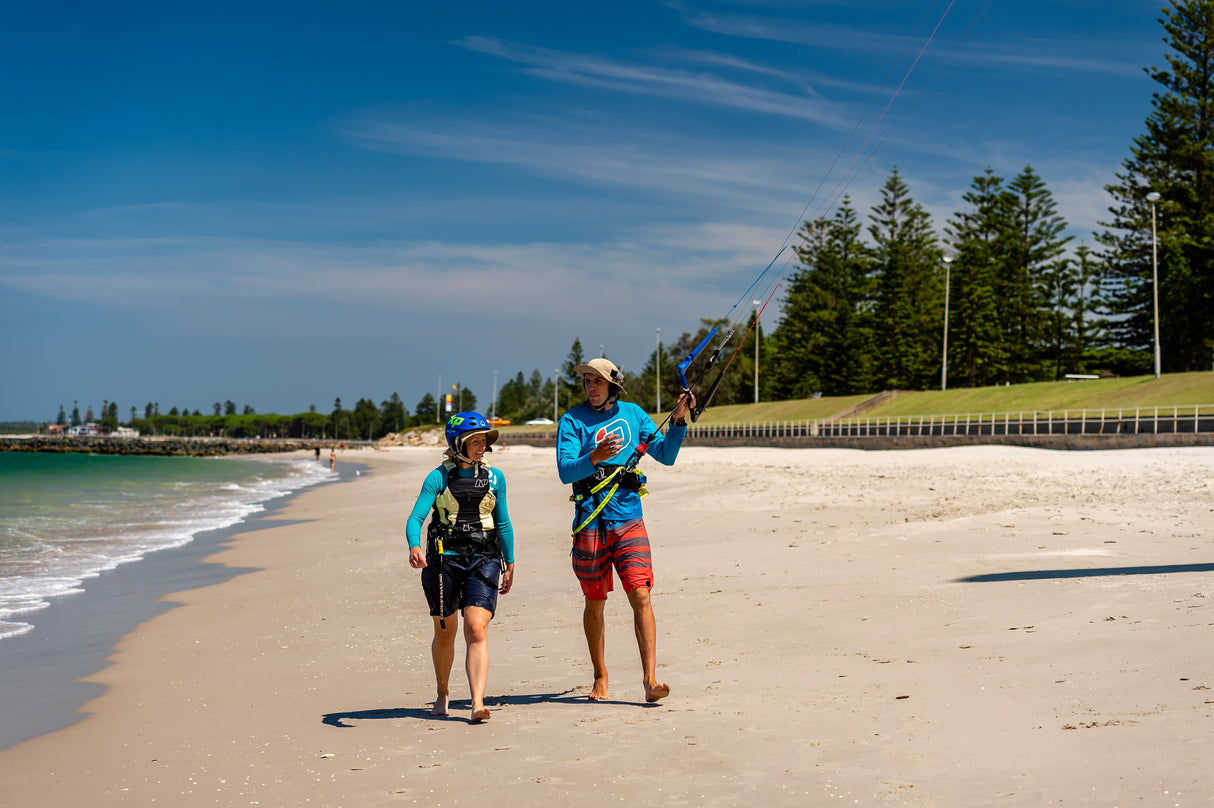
[(65, 518)]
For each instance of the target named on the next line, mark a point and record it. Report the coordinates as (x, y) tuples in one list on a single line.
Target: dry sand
[(951, 627)]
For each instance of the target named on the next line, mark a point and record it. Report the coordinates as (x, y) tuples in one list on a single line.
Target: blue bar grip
[(686, 363)]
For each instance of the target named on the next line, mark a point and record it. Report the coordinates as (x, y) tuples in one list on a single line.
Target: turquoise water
[(65, 518)]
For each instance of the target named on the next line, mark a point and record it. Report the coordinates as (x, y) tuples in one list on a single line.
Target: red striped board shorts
[(603, 544)]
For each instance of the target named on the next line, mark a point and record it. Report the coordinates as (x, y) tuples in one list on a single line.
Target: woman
[(469, 555)]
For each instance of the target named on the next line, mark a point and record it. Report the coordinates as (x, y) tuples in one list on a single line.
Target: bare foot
[(480, 714), (599, 691), (655, 691), (440, 706)]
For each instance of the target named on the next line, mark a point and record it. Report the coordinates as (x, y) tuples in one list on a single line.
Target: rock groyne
[(194, 447)]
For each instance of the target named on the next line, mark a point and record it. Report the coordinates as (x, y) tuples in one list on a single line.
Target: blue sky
[(285, 203)]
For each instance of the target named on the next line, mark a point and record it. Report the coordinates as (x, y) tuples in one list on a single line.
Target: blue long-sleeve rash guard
[(434, 484), (582, 428)]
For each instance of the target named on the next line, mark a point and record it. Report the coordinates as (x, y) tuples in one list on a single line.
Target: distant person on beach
[(317, 454), (594, 441), (469, 555), (332, 459)]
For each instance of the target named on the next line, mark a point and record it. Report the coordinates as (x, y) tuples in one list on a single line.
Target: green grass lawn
[(1175, 389), (1180, 389)]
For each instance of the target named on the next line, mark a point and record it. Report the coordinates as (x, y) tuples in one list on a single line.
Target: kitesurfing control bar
[(686, 363)]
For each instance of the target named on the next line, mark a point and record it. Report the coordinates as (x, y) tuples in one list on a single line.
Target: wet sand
[(40, 689), (948, 627)]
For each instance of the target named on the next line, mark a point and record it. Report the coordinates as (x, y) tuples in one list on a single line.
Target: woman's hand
[(417, 558), (507, 579)]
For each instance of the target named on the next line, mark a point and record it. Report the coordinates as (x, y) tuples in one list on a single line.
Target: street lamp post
[(438, 407), (948, 260), (1153, 197), (494, 413), (758, 337), (658, 372), (556, 392)]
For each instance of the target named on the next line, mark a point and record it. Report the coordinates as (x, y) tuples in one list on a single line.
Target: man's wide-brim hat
[(605, 368)]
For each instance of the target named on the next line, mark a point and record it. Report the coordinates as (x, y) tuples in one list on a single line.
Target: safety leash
[(442, 573)]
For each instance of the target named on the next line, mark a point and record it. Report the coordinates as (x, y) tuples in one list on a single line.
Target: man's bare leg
[(594, 624), (476, 662), (647, 642), (442, 651)]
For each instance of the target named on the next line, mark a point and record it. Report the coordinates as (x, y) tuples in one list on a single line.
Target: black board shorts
[(467, 581)]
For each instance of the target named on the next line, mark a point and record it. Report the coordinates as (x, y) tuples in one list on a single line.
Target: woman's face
[(474, 447)]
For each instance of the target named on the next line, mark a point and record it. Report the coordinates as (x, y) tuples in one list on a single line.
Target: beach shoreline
[(951, 627), (42, 670)]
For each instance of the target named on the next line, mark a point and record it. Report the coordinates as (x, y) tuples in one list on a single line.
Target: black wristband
[(678, 422)]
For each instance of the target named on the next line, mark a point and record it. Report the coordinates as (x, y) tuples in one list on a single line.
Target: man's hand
[(609, 448), (507, 579), (417, 558), (684, 407)]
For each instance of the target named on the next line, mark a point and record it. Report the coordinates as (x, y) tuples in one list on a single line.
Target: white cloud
[(195, 280), (735, 173), (659, 81), (809, 79), (824, 36), (1083, 201), (1080, 55)]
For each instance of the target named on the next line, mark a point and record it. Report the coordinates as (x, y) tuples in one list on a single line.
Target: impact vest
[(463, 515)]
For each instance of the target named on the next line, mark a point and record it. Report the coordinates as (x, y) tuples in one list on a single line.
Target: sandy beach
[(951, 627)]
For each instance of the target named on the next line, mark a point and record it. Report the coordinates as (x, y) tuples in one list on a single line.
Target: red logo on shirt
[(619, 428)]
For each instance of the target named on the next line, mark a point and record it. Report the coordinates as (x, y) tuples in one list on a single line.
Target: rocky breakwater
[(414, 437), (194, 447)]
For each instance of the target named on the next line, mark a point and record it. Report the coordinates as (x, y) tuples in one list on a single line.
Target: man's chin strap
[(608, 404)]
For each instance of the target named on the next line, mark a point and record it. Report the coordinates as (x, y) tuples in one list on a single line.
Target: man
[(594, 441)]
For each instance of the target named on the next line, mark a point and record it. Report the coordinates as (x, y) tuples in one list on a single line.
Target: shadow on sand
[(1040, 575), (423, 713)]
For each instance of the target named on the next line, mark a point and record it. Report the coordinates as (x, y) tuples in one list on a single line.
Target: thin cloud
[(825, 36), (1056, 55), (1083, 200), (618, 76), (700, 172), (192, 278), (809, 79), (1059, 56)]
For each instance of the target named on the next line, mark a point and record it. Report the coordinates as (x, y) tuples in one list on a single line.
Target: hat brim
[(490, 437), (582, 370)]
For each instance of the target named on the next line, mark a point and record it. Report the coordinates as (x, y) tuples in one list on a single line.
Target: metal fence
[(1065, 429)]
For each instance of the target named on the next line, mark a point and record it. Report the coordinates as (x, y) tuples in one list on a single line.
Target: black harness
[(467, 535), (591, 494), (628, 482)]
